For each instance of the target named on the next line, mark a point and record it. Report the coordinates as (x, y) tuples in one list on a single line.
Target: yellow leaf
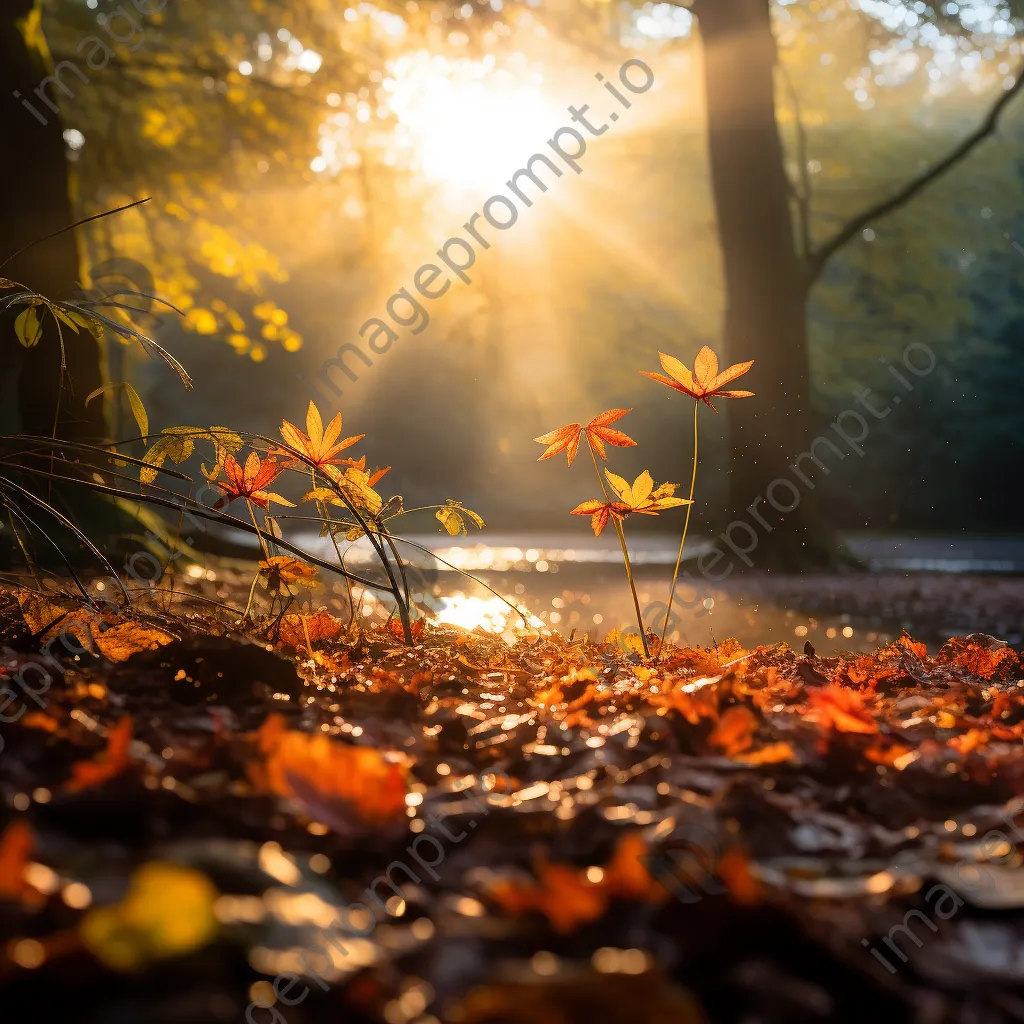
[(202, 321), (31, 28), (452, 517), (167, 911), (61, 315), (138, 409), (28, 327), (451, 521), (619, 485), (354, 483), (322, 494), (225, 442), (634, 643), (120, 642), (168, 446)]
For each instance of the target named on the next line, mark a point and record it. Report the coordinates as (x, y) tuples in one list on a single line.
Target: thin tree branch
[(71, 227), (817, 260)]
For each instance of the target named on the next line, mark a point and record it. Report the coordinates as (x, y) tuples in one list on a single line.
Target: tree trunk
[(34, 185), (765, 318)]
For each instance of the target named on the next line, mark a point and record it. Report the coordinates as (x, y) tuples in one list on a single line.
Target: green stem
[(686, 525), (621, 534)]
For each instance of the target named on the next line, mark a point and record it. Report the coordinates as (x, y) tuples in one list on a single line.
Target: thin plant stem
[(259, 533), (341, 562), (621, 534), (686, 524), (309, 643), (328, 521), (252, 593)]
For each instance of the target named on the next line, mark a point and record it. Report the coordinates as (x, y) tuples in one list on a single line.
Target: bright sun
[(469, 125)]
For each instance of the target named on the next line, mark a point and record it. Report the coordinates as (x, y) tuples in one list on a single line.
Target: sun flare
[(469, 124)]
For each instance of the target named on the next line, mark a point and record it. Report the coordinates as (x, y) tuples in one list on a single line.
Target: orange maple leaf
[(705, 382), (598, 433), (600, 512), (251, 481), (734, 869), (330, 779), (912, 645), (16, 845), (417, 627), (319, 445), (626, 874), (111, 762), (561, 893), (842, 709), (568, 899), (297, 629), (734, 731)]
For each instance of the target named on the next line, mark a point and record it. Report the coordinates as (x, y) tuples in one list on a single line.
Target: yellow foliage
[(201, 321), (167, 911)]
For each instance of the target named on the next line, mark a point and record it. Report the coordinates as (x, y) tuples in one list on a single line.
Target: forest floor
[(312, 821)]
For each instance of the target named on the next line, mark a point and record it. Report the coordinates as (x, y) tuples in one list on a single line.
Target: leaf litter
[(733, 827)]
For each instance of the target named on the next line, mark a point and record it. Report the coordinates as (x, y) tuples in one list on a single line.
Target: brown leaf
[(582, 996), (97, 630)]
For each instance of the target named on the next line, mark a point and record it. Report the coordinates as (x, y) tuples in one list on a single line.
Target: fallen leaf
[(16, 844), (302, 630), (121, 641), (333, 781), (626, 874), (734, 870), (167, 912), (770, 753), (734, 731), (842, 709), (110, 763)]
